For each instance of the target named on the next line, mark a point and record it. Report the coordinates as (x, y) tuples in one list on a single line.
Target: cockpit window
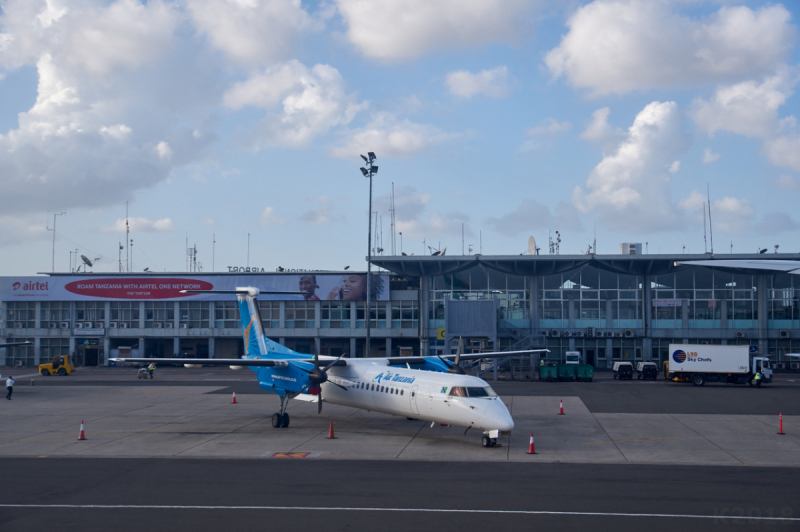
[(472, 391)]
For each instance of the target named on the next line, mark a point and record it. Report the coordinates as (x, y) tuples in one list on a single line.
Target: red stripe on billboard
[(141, 288)]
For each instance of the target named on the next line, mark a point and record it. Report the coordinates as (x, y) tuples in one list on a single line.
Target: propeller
[(318, 376), (453, 367)]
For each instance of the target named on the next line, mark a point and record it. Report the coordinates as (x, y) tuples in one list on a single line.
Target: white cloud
[(532, 215), (249, 31), (117, 132), (548, 128), (409, 204), (746, 108), (784, 151), (209, 222), (164, 151), (600, 132), (732, 215), (674, 167), (492, 83), (633, 182), (268, 218), (390, 137), (786, 182), (774, 223), (22, 229), (322, 214), (140, 225), (622, 46), (404, 29), (311, 102), (709, 156)]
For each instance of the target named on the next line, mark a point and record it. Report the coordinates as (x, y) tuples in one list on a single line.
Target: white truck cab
[(573, 357)]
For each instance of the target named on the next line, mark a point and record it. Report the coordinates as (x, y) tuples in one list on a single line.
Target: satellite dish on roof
[(531, 246), (86, 260)]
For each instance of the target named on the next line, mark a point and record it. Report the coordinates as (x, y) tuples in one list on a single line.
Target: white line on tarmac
[(427, 510)]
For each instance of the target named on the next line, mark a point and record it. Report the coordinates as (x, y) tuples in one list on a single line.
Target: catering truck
[(730, 364)]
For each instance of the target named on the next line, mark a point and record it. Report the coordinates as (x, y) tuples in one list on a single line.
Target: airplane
[(435, 389)]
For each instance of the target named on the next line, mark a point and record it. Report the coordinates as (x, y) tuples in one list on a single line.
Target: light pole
[(369, 172), (54, 238), (401, 242)]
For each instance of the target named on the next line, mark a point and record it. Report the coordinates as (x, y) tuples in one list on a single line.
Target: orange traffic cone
[(531, 448), (330, 432), (781, 421), (82, 435), (233, 400), (31, 382), (561, 408)]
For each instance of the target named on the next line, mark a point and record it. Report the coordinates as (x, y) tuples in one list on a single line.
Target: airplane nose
[(499, 418)]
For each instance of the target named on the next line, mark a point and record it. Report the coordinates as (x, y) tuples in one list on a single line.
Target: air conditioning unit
[(780, 365), (578, 334), (617, 335), (794, 365), (18, 363), (740, 334), (703, 342), (53, 325), (599, 334), (628, 333), (590, 331), (99, 325), (157, 325), (567, 334), (783, 333), (65, 325), (18, 325), (184, 325), (555, 333), (87, 325), (112, 325), (123, 325), (79, 325), (168, 325)]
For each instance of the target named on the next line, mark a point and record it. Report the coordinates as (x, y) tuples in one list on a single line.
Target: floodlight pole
[(369, 173)]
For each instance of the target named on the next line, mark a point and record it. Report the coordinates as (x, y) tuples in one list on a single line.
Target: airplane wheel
[(276, 420), (494, 442), (285, 421), (486, 441)]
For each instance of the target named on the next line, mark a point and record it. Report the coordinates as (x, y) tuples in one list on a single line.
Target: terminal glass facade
[(54, 315)]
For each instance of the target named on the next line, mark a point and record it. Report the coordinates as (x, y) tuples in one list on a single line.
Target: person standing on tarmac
[(9, 387), (150, 369), (758, 378)]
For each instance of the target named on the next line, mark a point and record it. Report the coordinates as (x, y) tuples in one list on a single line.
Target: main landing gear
[(280, 420)]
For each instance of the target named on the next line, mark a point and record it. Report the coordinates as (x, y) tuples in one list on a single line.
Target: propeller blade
[(319, 401), (339, 385), (460, 350), (326, 368), (300, 367)]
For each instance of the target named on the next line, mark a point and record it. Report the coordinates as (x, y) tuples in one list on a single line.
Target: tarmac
[(188, 414)]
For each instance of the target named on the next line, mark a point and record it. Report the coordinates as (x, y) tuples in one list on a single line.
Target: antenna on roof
[(710, 227)]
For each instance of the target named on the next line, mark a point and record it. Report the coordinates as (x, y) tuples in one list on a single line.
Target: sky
[(220, 122)]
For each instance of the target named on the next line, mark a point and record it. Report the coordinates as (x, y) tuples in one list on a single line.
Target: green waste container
[(584, 372), (548, 373), (566, 372)]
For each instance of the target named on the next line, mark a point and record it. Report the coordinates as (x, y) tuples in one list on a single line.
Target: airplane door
[(413, 398)]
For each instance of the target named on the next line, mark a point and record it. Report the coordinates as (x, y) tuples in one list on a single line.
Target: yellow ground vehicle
[(61, 365)]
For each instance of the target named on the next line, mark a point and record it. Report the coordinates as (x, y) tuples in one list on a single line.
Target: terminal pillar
[(37, 347), (176, 346), (106, 347), (353, 351), (211, 347), (388, 347)]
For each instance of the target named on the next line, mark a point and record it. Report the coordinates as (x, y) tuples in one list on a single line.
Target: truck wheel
[(62, 371), (45, 373), (751, 382), (698, 380)]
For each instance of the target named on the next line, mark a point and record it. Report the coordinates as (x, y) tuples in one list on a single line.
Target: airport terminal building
[(607, 307)]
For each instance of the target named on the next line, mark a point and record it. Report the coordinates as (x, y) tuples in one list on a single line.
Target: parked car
[(646, 370), (623, 370)]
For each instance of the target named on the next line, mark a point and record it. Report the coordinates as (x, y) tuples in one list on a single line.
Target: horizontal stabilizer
[(14, 344), (256, 362)]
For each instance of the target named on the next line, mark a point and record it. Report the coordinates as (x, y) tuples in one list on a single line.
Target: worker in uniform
[(9, 387), (758, 378), (150, 369)]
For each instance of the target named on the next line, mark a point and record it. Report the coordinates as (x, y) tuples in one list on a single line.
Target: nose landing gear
[(486, 441)]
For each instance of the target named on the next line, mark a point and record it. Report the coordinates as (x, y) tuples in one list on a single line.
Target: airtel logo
[(31, 285)]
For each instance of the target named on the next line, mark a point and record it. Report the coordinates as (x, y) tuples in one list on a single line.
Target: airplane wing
[(472, 356), (12, 344), (257, 362)]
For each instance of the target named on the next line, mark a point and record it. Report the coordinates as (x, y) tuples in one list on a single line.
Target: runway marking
[(356, 509), (290, 455), (625, 441)]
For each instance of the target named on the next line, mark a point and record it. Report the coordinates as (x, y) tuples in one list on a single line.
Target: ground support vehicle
[(623, 370), (566, 372), (646, 370), (731, 364), (60, 365), (584, 372)]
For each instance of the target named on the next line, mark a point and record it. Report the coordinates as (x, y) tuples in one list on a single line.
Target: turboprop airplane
[(434, 389)]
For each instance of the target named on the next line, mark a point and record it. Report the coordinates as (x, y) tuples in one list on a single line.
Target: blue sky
[(223, 118)]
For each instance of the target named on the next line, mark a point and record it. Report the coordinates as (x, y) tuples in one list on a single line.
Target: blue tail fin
[(255, 342)]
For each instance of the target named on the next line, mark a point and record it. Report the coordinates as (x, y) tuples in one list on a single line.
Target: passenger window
[(401, 392)]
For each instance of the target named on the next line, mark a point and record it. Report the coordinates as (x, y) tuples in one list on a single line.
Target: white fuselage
[(415, 394)]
